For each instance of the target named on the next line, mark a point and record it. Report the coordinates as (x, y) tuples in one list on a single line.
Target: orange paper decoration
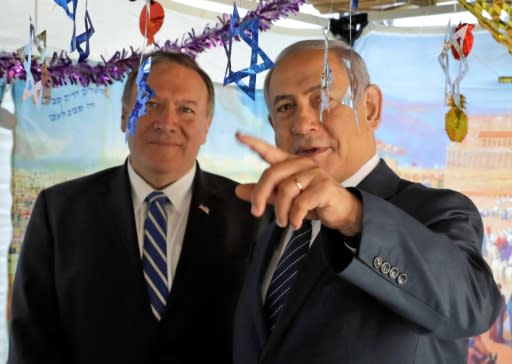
[(156, 19), (468, 40)]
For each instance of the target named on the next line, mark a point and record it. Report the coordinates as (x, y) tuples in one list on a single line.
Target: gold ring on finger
[(299, 186)]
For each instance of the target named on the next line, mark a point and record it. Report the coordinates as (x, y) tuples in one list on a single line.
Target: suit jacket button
[(377, 262), (385, 268), (393, 273), (402, 279)]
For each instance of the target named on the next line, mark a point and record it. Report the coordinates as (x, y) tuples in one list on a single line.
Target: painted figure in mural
[(509, 314), (478, 352), (497, 328), (394, 269), (98, 282)]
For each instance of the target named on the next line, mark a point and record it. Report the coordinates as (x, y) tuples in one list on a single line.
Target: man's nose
[(166, 119), (307, 121)]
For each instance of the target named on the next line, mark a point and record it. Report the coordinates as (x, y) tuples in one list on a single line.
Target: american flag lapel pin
[(205, 209)]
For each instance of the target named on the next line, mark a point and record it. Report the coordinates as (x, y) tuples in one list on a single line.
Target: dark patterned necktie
[(285, 273), (154, 254)]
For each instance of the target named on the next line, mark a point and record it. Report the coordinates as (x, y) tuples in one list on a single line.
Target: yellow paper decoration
[(495, 16), (456, 120)]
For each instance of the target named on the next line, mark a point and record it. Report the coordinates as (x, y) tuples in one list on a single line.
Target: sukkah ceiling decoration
[(63, 70), (342, 6), (495, 16)]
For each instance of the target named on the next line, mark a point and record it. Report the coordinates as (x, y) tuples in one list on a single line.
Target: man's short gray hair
[(360, 76)]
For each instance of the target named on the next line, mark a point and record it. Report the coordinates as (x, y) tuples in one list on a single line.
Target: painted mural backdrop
[(78, 132), (413, 141)]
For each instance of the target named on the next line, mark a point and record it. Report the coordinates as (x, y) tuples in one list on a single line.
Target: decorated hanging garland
[(62, 70), (459, 40), (456, 119), (149, 27)]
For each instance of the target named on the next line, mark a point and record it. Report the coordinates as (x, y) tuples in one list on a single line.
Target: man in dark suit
[(82, 294), (393, 272)]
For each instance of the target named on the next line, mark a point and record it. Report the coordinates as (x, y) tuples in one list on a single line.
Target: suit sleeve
[(35, 333), (423, 261)]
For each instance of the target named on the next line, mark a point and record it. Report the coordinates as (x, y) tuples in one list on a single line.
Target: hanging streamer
[(454, 40), (144, 94), (444, 61), (42, 86), (354, 5), (46, 84), (32, 88), (248, 32), (326, 79), (349, 98), (78, 40), (463, 64), (29, 80), (456, 120), (64, 5)]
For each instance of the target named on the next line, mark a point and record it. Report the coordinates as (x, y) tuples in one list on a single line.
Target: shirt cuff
[(352, 243)]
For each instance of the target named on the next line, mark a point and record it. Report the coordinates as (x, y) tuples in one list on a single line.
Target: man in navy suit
[(394, 271), (80, 295)]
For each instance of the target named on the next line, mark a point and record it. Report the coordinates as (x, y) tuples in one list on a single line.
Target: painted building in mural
[(482, 163)]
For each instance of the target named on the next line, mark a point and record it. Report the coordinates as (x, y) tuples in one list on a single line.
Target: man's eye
[(151, 104), (284, 107), (187, 110)]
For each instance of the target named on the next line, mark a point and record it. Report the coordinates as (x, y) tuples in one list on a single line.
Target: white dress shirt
[(179, 194), (352, 181)]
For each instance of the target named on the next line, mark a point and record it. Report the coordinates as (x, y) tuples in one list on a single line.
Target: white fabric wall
[(7, 122)]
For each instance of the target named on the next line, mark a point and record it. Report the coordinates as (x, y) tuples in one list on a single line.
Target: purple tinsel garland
[(62, 70)]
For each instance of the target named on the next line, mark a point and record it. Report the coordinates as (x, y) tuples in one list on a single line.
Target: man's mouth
[(165, 142), (310, 151)]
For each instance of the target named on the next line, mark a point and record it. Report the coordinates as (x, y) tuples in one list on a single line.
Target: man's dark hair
[(172, 57)]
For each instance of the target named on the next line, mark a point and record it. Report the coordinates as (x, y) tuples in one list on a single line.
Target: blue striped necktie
[(154, 254), (286, 273)]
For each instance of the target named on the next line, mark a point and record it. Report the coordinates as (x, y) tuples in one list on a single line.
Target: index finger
[(266, 151)]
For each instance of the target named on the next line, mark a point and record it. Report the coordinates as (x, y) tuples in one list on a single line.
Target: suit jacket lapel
[(118, 220), (118, 214), (382, 181), (198, 250)]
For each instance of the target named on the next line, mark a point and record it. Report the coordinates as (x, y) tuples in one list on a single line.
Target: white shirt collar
[(361, 174), (175, 192)]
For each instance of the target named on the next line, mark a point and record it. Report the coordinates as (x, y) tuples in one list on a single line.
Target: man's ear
[(373, 104)]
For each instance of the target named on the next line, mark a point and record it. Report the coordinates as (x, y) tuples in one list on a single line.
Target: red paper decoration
[(156, 19), (468, 40)]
